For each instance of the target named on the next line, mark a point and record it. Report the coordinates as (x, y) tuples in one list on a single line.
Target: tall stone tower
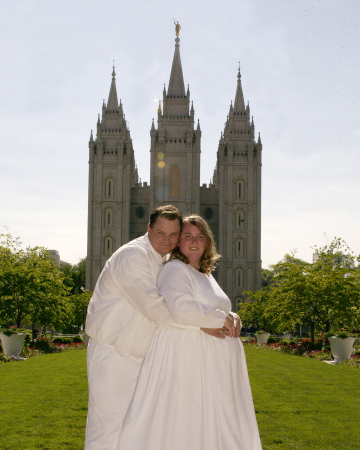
[(119, 205), (237, 178), (175, 147), (112, 172)]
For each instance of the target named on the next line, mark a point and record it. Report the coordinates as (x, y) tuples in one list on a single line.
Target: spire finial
[(177, 28), (113, 72), (159, 108), (239, 75)]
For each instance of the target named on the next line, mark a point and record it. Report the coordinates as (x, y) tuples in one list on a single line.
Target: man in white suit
[(121, 321)]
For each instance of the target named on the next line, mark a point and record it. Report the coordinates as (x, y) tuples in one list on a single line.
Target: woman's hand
[(217, 332), (225, 331)]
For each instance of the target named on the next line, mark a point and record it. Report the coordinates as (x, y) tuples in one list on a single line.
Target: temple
[(119, 204)]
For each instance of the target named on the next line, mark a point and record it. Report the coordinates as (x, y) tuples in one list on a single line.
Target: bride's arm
[(175, 285)]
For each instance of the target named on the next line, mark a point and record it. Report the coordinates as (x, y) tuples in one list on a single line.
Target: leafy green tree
[(78, 299), (323, 294), (31, 287), (266, 275), (75, 276), (253, 311), (78, 305)]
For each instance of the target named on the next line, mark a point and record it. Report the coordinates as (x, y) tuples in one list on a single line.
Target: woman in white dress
[(193, 391)]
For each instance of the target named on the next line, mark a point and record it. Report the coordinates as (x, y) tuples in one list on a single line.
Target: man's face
[(164, 235)]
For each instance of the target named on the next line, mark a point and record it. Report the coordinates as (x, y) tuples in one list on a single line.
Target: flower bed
[(32, 351), (292, 348)]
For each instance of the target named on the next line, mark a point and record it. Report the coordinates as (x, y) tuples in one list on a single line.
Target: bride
[(193, 392)]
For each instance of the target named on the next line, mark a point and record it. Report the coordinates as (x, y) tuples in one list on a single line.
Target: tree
[(78, 305), (324, 294), (254, 308), (31, 287), (75, 276)]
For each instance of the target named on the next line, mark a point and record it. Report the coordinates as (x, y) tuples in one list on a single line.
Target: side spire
[(113, 99), (239, 104), (176, 83)]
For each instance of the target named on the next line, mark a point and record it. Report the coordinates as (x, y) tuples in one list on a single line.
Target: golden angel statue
[(177, 28)]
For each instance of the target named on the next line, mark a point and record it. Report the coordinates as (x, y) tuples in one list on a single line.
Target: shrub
[(43, 344), (292, 343), (57, 340), (67, 340), (271, 340), (77, 339), (308, 345), (283, 342), (1, 349)]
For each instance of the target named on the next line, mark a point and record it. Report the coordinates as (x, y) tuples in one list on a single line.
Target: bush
[(1, 349), (271, 340), (308, 345), (43, 344), (283, 342), (77, 339), (57, 340), (67, 340)]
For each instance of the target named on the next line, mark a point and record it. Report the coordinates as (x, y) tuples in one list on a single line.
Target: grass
[(44, 402), (304, 404), (301, 403)]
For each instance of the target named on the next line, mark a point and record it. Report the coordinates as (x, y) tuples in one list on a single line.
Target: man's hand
[(237, 323)]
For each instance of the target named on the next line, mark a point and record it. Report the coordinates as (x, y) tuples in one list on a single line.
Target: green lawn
[(300, 403), (304, 404), (44, 402)]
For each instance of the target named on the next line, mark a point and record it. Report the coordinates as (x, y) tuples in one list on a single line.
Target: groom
[(121, 321)]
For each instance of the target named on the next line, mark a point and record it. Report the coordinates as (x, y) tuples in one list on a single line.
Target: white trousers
[(112, 379)]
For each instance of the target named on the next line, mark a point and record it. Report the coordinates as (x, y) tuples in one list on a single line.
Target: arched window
[(240, 194), (240, 299), (235, 304), (109, 218), (239, 278), (239, 250), (175, 181), (139, 212), (108, 246), (209, 213), (239, 220), (109, 188)]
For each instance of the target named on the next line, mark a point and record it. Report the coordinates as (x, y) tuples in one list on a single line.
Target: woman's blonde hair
[(210, 255)]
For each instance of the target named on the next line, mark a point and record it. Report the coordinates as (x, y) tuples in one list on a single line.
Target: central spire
[(239, 104), (176, 83), (113, 99)]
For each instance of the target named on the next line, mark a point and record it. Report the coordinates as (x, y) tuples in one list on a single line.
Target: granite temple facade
[(119, 204)]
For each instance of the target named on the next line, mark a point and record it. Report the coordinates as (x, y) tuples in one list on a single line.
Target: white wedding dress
[(193, 392)]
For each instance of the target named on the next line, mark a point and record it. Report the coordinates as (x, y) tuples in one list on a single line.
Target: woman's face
[(192, 243)]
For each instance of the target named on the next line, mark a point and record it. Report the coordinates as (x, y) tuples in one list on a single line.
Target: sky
[(300, 71)]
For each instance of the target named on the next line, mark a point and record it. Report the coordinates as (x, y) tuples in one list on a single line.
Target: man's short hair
[(169, 212)]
